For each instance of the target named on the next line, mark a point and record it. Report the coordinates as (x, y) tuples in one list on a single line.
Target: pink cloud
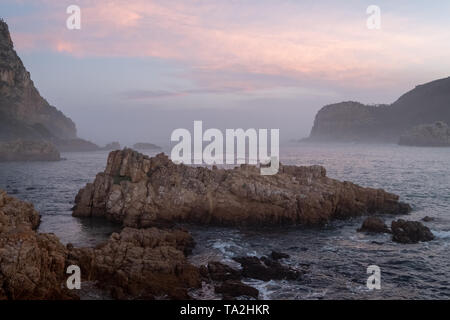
[(206, 36)]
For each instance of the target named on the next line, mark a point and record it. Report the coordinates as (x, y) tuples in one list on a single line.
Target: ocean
[(334, 257)]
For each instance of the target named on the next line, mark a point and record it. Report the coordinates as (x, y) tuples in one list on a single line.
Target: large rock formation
[(134, 264), (24, 114), (141, 263), (20, 150), (353, 121), (140, 191), (428, 135), (32, 265)]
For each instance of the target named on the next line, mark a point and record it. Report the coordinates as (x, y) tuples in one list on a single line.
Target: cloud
[(243, 45)]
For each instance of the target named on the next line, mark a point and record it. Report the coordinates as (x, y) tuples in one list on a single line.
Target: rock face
[(21, 102), (428, 135), (410, 232), (141, 264), (374, 225), (24, 114), (140, 191), (20, 150), (355, 122), (32, 266)]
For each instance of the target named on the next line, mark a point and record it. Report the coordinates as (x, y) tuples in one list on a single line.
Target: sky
[(139, 69)]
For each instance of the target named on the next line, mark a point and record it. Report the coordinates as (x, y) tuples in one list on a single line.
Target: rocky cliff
[(24, 114), (21, 103), (429, 135), (139, 191), (353, 121)]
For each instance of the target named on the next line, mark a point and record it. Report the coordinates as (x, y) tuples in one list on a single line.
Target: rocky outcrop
[(32, 265), (410, 232), (140, 264), (21, 106), (427, 135), (355, 122), (266, 269), (139, 191), (374, 225), (20, 150), (146, 146), (349, 122)]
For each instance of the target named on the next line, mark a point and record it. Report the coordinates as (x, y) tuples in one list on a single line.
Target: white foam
[(441, 234)]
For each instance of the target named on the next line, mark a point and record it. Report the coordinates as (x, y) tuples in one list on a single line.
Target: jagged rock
[(140, 191), (278, 255), (32, 265), (235, 288), (20, 150), (410, 232), (427, 135), (374, 225), (140, 264), (266, 269)]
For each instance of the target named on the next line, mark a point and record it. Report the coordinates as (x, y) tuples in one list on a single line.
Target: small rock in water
[(374, 225), (221, 272), (275, 255), (235, 288), (428, 219), (410, 232)]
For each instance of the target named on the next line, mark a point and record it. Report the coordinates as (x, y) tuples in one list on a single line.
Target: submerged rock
[(140, 264), (220, 272), (140, 191), (235, 288), (410, 232), (266, 269), (374, 225), (275, 255), (21, 150)]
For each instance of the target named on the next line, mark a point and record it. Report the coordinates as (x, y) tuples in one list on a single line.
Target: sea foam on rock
[(140, 191)]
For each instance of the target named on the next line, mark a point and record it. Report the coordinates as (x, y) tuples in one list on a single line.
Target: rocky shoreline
[(150, 260)]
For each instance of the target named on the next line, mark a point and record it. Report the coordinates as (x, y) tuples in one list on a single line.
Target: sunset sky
[(138, 69)]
